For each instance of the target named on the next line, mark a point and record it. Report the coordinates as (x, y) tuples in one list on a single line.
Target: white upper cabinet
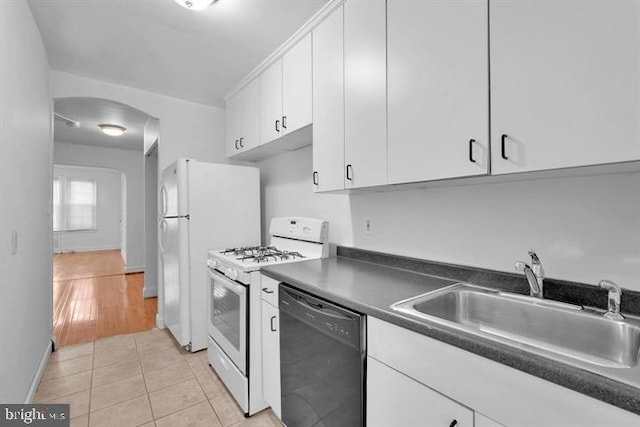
[(271, 103), (296, 86), (365, 93), (285, 93), (241, 120), (328, 103), (438, 106), (565, 83)]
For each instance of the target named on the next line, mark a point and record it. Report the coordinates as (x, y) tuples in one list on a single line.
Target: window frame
[(64, 193)]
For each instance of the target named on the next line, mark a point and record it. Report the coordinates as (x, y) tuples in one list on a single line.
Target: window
[(74, 204)]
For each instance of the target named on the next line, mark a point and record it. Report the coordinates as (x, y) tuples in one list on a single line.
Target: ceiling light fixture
[(195, 4), (112, 130)]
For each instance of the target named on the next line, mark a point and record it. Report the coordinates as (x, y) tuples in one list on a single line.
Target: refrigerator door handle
[(163, 201), (163, 228)]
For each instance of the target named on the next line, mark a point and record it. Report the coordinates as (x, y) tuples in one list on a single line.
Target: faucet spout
[(534, 288), (613, 299), (534, 275)]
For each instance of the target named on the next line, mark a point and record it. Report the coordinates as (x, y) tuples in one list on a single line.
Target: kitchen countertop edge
[(600, 387)]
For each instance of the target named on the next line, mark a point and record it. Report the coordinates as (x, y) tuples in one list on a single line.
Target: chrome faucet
[(534, 274), (615, 292)]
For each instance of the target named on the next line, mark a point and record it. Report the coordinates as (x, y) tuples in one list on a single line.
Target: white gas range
[(234, 343)]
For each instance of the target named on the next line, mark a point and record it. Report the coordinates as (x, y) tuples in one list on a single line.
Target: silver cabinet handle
[(267, 291), (240, 141), (273, 328)]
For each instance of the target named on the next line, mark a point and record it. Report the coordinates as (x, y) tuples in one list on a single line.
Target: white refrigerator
[(203, 207)]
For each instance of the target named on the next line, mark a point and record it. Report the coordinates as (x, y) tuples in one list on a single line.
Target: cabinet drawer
[(269, 290), (394, 399)]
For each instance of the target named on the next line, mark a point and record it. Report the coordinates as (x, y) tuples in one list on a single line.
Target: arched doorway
[(92, 301)]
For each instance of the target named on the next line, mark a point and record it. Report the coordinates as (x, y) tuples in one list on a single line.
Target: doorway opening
[(99, 221)]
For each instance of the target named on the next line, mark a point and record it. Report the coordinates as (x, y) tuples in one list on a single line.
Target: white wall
[(186, 129), (130, 163), (25, 191), (584, 228), (108, 211), (287, 190)]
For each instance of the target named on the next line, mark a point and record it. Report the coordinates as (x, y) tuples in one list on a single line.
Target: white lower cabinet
[(395, 400), (416, 380), (271, 356)]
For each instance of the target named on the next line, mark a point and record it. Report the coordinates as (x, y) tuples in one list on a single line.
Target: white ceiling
[(90, 112), (162, 47)]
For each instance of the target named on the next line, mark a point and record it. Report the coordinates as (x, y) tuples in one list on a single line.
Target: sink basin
[(551, 326)]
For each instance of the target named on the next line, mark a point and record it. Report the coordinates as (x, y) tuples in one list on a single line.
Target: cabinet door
[(232, 125), (365, 93), (328, 103), (395, 400), (438, 89), (242, 120), (271, 103), (248, 116), (296, 86), (271, 356), (564, 83)]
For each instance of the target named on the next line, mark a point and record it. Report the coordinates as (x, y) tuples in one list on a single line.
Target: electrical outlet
[(368, 226)]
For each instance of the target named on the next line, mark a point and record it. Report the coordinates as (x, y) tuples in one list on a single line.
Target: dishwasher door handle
[(324, 310)]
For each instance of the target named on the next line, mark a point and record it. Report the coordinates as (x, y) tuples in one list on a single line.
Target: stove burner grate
[(262, 254)]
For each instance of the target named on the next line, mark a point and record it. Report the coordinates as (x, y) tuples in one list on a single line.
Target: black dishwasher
[(322, 357)]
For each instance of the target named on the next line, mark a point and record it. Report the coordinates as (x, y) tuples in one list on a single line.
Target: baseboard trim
[(68, 249), (134, 269), (149, 292), (36, 379), (159, 322)]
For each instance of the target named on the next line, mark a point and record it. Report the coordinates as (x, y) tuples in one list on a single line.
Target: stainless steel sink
[(555, 327)]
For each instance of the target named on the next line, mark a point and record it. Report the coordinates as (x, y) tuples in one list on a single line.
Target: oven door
[(227, 323)]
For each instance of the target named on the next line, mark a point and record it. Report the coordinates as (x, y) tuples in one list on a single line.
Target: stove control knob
[(233, 274), (212, 263)]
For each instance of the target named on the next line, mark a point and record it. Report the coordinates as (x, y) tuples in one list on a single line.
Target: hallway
[(94, 298)]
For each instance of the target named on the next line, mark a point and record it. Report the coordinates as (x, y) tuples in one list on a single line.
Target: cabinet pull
[(240, 141), (237, 144), (267, 291), (471, 142), (273, 329), (284, 122), (315, 178), (350, 175), (503, 148), (453, 423), (277, 125)]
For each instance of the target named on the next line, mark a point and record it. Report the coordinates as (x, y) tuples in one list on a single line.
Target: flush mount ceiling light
[(112, 130), (195, 4)]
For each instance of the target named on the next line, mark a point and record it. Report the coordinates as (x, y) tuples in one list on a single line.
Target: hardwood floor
[(93, 298)]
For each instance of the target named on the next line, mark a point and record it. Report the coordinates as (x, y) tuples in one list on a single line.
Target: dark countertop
[(370, 289)]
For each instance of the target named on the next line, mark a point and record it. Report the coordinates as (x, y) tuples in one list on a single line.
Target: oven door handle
[(228, 283)]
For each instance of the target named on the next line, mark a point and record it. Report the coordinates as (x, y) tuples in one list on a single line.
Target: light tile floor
[(141, 379)]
